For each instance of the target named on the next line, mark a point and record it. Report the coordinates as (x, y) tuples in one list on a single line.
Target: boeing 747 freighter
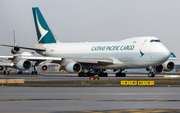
[(89, 59)]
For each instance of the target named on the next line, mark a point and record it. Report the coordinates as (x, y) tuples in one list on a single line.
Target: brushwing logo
[(142, 54), (42, 31)]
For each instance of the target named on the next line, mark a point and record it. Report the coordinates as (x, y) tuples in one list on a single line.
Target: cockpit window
[(155, 41)]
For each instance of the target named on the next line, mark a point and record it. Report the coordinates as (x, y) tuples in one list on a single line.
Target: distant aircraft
[(20, 63), (88, 59)]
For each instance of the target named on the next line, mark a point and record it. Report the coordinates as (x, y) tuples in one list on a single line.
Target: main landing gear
[(6, 72), (102, 74), (91, 74), (88, 74), (34, 72), (19, 72), (120, 74)]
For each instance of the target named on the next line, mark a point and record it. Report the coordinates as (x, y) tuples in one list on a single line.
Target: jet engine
[(2, 68), (23, 64), (168, 66), (73, 67), (15, 50), (44, 68), (158, 69)]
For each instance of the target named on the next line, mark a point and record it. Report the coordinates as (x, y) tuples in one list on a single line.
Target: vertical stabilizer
[(14, 38), (44, 33)]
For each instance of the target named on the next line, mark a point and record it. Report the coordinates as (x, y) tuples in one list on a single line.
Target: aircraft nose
[(166, 53)]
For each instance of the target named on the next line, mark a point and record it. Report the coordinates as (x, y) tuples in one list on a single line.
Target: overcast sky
[(92, 20)]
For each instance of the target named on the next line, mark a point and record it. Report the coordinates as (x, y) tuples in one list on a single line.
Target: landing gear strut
[(34, 72)]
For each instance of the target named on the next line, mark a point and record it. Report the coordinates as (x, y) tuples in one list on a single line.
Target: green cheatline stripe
[(82, 99)]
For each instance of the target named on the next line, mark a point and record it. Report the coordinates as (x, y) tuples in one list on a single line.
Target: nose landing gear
[(151, 72)]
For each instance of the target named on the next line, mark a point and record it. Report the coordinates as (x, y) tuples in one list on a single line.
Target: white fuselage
[(137, 52)]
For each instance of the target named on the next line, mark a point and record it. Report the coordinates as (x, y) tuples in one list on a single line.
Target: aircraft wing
[(93, 61), (42, 58), (6, 57), (82, 60), (6, 64), (23, 47)]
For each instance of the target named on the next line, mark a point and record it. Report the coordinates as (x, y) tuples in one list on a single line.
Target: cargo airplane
[(93, 58)]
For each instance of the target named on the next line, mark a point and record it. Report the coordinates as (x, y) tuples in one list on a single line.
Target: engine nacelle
[(23, 64), (44, 68), (15, 50), (158, 69), (73, 67), (168, 66), (2, 68)]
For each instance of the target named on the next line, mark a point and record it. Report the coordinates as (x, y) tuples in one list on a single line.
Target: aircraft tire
[(81, 74), (91, 74), (151, 74), (120, 74), (4, 72), (103, 74)]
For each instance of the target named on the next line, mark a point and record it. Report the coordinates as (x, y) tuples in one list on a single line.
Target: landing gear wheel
[(82, 74), (4, 72), (34, 72), (120, 74), (19, 72), (151, 74), (91, 74), (101, 74)]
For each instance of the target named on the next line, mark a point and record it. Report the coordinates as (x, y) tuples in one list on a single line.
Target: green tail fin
[(44, 33)]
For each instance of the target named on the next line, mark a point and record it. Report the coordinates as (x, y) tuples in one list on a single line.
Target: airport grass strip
[(129, 111), (97, 83)]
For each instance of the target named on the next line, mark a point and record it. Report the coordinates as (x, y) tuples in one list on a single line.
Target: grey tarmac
[(55, 99)]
